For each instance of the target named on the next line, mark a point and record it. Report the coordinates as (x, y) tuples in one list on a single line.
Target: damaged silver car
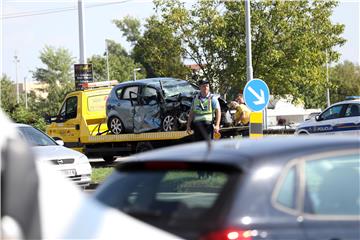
[(156, 104)]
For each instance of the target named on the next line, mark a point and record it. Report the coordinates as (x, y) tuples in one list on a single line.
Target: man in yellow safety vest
[(205, 114)]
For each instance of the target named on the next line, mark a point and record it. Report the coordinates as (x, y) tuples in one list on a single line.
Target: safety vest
[(203, 110)]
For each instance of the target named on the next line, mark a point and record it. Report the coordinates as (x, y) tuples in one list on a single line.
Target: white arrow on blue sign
[(256, 95)]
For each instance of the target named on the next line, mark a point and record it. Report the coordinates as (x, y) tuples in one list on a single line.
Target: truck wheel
[(115, 125), (109, 159), (169, 123), (143, 147)]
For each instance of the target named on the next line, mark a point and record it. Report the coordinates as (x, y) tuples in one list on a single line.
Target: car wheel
[(115, 125), (109, 159), (303, 133), (143, 147), (169, 123)]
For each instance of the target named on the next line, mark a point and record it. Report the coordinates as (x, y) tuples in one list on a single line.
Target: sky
[(25, 30)]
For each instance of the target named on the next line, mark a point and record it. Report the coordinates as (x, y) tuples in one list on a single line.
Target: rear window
[(165, 196), (97, 103)]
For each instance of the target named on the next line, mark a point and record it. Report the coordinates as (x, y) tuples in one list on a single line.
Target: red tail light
[(228, 234)]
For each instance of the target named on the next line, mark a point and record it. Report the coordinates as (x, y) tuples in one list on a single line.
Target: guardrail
[(284, 131)]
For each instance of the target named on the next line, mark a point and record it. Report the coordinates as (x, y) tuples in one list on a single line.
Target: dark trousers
[(202, 131)]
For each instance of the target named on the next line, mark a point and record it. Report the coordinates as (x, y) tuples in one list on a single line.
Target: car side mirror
[(50, 119), (60, 142), (59, 119), (317, 118)]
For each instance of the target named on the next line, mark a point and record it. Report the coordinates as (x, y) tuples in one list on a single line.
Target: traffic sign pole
[(256, 125), (256, 96)]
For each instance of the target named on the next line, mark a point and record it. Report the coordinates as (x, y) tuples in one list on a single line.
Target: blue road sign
[(256, 95)]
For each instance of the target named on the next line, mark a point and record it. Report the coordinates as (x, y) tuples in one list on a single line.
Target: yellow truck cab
[(81, 125)]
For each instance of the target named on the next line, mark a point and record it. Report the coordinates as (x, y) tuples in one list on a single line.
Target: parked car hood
[(44, 153)]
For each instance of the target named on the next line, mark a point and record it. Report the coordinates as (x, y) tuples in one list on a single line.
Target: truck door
[(68, 123), (147, 111)]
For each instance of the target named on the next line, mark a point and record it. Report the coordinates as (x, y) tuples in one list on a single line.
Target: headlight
[(83, 159)]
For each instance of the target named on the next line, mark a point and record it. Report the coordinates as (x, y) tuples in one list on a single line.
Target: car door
[(328, 120), (125, 106), (331, 196), (68, 121), (147, 114), (350, 123)]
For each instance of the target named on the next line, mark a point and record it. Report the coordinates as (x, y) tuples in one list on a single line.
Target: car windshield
[(35, 137), (174, 88), (166, 198)]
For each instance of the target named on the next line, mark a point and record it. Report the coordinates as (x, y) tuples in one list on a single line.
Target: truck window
[(69, 109), (97, 103)]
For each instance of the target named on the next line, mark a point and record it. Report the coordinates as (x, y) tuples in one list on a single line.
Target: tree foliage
[(289, 42), (121, 65), (130, 28), (57, 77), (345, 81), (8, 95), (158, 50)]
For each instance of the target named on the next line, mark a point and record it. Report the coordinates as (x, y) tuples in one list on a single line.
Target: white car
[(72, 164), (340, 118)]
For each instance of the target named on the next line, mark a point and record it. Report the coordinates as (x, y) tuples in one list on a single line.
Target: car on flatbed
[(152, 104)]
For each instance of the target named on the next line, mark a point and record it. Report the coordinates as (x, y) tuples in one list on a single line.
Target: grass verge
[(99, 174)]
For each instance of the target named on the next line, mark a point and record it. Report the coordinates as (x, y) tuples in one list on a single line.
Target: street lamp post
[(25, 88), (107, 61), (135, 70), (81, 31), (17, 60), (327, 81)]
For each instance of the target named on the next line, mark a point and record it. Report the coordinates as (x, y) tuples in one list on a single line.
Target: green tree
[(158, 50), (289, 42), (8, 95), (130, 28), (345, 81), (57, 75), (121, 65)]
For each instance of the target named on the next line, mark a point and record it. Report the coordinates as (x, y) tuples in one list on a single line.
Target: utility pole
[(249, 69), (107, 60), (327, 81), (135, 70), (25, 88), (81, 32), (16, 60), (249, 72)]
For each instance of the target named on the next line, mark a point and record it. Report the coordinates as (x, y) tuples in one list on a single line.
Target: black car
[(274, 188), (151, 104)]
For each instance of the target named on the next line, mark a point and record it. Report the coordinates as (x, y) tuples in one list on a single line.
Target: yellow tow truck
[(81, 125)]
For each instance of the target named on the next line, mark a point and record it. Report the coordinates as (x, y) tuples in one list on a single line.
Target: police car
[(340, 118)]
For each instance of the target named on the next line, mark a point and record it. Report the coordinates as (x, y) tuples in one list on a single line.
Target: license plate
[(69, 172)]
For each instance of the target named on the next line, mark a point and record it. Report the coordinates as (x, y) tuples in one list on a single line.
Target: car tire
[(143, 147), (115, 125), (109, 159), (169, 123), (303, 133)]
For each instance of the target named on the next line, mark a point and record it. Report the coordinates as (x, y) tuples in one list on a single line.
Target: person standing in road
[(205, 114)]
